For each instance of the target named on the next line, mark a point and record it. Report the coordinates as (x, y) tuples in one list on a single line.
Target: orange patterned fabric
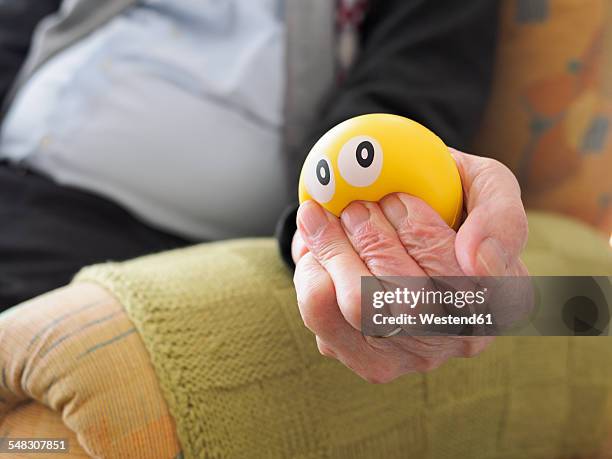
[(550, 115), (34, 420), (74, 356)]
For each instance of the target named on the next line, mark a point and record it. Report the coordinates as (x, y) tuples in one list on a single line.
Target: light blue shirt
[(173, 109)]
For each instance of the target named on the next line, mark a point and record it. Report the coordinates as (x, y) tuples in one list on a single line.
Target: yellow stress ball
[(370, 156)]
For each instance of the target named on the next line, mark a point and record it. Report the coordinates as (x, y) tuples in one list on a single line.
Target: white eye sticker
[(319, 180), (360, 161)]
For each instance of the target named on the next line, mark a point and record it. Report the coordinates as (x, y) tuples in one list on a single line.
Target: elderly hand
[(403, 236)]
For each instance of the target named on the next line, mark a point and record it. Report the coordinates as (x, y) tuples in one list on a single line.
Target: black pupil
[(323, 172), (365, 154)]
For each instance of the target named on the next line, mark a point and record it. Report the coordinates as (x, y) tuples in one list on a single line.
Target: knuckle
[(351, 297), (313, 303), (313, 298), (372, 240), (418, 234), (310, 310), (500, 169), (327, 243), (329, 250), (494, 165), (428, 244), (486, 167), (377, 248), (349, 302)]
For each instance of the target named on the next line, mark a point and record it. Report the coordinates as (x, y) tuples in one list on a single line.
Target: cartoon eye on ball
[(367, 157)]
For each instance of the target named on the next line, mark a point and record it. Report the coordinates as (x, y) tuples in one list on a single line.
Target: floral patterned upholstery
[(550, 114)]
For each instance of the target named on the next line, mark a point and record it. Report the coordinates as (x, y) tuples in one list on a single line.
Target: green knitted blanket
[(243, 378)]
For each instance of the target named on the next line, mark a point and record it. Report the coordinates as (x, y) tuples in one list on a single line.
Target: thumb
[(495, 231)]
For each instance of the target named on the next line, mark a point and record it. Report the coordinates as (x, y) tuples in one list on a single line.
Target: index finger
[(327, 241)]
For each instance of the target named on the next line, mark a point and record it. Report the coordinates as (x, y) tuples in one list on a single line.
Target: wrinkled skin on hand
[(402, 236)]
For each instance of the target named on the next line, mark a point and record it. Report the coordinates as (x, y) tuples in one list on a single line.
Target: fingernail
[(355, 215), (491, 258), (311, 218), (394, 209)]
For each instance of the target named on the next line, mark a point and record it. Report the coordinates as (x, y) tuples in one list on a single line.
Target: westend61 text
[(432, 319)]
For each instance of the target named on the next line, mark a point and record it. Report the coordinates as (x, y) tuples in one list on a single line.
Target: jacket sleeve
[(18, 19), (431, 61)]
